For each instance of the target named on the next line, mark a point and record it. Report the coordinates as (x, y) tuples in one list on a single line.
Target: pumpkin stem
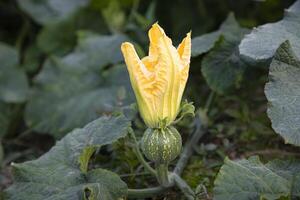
[(163, 174)]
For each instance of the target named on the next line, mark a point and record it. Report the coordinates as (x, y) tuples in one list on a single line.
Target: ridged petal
[(168, 75), (184, 51), (139, 77), (154, 34)]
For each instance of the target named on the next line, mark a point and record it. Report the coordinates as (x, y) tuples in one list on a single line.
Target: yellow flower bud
[(159, 79)]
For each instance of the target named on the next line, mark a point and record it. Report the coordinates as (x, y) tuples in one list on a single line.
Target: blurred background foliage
[(61, 67)]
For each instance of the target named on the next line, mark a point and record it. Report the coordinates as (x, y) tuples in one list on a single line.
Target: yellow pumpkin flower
[(159, 79)]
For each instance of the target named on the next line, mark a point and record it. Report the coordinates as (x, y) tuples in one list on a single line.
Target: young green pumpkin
[(161, 145)]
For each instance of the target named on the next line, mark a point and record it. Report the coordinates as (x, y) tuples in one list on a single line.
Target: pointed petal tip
[(186, 39), (154, 34), (155, 24), (188, 35), (125, 45), (156, 27)]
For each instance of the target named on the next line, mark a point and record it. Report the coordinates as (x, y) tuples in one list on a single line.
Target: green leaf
[(61, 174), (95, 51), (202, 44), (261, 44), (13, 81), (51, 40), (251, 179), (48, 11), (13, 85), (222, 67), (282, 92), (71, 91)]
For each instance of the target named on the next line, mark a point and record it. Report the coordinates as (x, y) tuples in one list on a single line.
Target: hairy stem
[(184, 187), (209, 100), (23, 33), (188, 148), (139, 153), (200, 130), (145, 193), (163, 174)]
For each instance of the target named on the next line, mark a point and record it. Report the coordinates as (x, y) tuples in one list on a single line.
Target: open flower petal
[(184, 50), (169, 74), (159, 79), (154, 34), (139, 77)]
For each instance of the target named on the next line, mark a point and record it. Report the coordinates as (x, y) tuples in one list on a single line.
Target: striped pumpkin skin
[(161, 145)]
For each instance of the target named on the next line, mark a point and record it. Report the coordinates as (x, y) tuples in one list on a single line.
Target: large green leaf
[(204, 43), (222, 67), (261, 44), (47, 11), (13, 84), (13, 81), (283, 92), (96, 51), (72, 91), (51, 40), (251, 179), (62, 173)]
